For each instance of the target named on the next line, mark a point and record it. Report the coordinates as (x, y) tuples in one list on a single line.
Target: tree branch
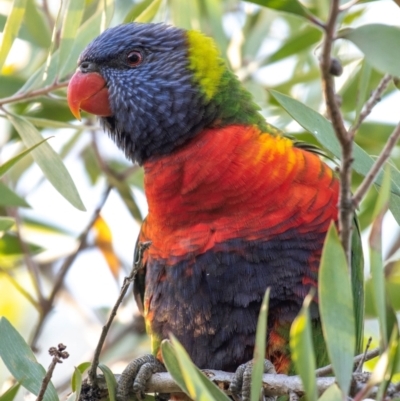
[(58, 355), (137, 265), (273, 384), (29, 95), (328, 85), (48, 305), (371, 103), (379, 162), (366, 356)]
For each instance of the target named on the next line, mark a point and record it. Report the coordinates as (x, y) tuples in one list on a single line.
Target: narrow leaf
[(336, 308), (110, 380), (302, 349), (171, 363), (393, 360), (6, 223), (196, 384), (150, 12), (10, 198), (76, 383), (332, 393), (362, 92), (380, 44), (11, 393), (136, 10), (384, 367), (11, 29), (288, 6), (7, 165), (323, 132), (377, 272), (49, 161), (260, 347), (79, 370), (71, 21), (21, 362)]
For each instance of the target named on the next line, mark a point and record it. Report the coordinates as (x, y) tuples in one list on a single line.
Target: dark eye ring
[(134, 58)]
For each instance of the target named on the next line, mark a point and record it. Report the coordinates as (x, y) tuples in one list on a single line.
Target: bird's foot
[(241, 383), (135, 376)]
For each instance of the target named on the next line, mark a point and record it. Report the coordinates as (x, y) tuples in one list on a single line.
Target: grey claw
[(135, 376), (240, 386)]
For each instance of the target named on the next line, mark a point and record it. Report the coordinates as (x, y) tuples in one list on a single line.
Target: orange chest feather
[(234, 182)]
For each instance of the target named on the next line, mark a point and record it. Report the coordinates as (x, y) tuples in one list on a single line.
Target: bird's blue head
[(154, 87)]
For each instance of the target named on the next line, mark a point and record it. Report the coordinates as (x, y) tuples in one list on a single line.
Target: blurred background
[(61, 267)]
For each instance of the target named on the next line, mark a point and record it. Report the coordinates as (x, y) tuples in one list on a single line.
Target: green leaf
[(171, 363), (384, 368), (46, 123), (136, 10), (323, 132), (259, 350), (124, 191), (86, 33), (380, 44), (71, 21), (110, 380), (10, 198), (362, 92), (393, 360), (332, 393), (11, 393), (6, 222), (37, 27), (76, 384), (377, 272), (288, 6), (302, 349), (195, 383), (336, 309), (11, 246), (7, 165), (49, 161), (150, 12), (21, 362), (296, 44), (11, 29), (76, 379)]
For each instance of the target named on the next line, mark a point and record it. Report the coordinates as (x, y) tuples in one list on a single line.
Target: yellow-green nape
[(205, 62)]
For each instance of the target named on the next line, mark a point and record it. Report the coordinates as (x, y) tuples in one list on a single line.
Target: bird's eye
[(134, 58)]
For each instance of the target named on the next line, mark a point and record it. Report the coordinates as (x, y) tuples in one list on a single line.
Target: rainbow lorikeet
[(234, 206)]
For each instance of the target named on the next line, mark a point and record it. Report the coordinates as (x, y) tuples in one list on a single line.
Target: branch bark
[(328, 85), (379, 162), (273, 384)]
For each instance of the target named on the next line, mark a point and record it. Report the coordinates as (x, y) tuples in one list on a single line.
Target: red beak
[(88, 91)]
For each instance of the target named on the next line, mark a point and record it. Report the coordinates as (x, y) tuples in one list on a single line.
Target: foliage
[(273, 46)]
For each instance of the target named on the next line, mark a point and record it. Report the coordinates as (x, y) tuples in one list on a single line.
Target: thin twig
[(29, 95), (58, 355), (371, 103), (127, 282), (328, 85), (326, 370), (347, 5), (379, 162), (363, 360), (312, 18), (46, 11), (66, 266)]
